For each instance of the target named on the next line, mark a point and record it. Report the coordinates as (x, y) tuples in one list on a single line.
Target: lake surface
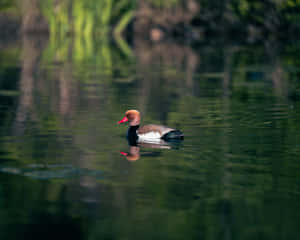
[(236, 175)]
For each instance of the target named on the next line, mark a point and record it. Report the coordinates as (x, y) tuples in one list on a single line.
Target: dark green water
[(235, 176)]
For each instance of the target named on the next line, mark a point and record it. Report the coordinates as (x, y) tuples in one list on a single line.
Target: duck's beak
[(125, 119)]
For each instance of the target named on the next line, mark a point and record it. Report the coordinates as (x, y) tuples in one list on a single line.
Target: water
[(62, 171)]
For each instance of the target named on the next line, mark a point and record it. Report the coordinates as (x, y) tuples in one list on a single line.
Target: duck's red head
[(131, 116)]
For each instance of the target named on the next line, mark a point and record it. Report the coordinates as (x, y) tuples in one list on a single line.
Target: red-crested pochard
[(151, 132)]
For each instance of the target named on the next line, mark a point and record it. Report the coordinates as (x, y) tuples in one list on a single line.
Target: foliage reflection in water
[(235, 176)]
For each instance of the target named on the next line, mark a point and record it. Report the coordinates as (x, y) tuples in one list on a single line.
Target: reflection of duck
[(134, 148), (149, 133), (148, 136), (133, 154)]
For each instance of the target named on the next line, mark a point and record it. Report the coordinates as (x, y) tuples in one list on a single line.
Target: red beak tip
[(125, 119)]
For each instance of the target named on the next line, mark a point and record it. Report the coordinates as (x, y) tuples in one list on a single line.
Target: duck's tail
[(175, 134)]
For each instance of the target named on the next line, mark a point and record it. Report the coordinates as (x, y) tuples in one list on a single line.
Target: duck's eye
[(130, 117)]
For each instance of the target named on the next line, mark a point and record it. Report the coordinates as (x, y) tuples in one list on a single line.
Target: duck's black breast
[(132, 136)]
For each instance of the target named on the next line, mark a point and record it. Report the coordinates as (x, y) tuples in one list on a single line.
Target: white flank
[(150, 136)]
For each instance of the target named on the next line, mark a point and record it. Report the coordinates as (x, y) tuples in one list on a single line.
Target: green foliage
[(259, 12), (10, 7), (164, 4), (4, 4), (85, 18)]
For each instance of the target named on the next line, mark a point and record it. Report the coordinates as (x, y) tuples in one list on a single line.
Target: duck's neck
[(132, 135)]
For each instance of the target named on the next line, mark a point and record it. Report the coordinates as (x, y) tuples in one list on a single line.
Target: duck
[(148, 133)]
